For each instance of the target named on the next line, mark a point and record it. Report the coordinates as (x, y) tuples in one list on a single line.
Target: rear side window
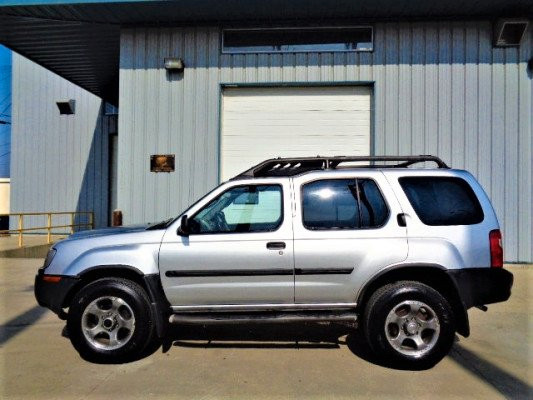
[(442, 200), (343, 204)]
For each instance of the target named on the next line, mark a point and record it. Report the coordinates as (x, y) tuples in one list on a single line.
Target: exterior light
[(174, 64), (66, 107)]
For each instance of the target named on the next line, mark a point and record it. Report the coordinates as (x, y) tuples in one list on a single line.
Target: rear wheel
[(110, 320), (409, 323)]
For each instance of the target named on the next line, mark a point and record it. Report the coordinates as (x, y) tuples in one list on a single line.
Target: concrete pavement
[(266, 362)]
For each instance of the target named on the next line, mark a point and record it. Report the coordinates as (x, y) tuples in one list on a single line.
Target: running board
[(304, 307), (261, 318)]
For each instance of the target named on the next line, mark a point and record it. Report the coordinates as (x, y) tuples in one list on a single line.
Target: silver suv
[(402, 253)]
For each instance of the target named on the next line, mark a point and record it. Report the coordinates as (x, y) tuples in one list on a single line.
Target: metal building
[(223, 84)]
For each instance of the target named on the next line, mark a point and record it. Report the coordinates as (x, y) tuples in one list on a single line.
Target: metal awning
[(81, 40)]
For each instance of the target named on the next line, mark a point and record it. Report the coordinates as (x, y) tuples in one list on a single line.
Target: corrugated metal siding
[(439, 88), (59, 162)]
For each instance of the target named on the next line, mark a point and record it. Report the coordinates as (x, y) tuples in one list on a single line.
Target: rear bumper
[(480, 286), (52, 294)]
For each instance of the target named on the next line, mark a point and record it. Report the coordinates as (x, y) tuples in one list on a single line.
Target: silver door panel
[(234, 268), (366, 251)]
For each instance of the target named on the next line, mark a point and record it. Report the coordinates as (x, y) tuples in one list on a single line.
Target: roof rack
[(298, 165)]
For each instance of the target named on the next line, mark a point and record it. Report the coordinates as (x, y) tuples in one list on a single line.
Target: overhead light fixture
[(174, 64), (66, 107), (508, 32)]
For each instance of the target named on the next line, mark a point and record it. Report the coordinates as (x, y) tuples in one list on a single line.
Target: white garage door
[(262, 123)]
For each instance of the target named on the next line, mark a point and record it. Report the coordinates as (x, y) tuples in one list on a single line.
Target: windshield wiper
[(160, 225)]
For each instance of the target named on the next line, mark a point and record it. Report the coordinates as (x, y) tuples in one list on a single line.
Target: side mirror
[(183, 230)]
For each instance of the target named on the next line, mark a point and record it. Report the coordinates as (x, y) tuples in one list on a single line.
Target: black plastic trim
[(110, 266), (160, 306), (258, 272), (52, 294), (228, 272), (323, 271), (480, 286), (299, 165)]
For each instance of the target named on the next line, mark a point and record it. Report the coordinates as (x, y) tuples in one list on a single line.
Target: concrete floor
[(301, 361)]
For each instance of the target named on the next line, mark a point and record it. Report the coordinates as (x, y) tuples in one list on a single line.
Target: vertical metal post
[(21, 225), (49, 227), (71, 223), (91, 219)]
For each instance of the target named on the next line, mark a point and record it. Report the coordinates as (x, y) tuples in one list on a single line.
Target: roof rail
[(298, 165)]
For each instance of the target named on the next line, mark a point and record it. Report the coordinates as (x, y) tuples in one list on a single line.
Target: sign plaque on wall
[(162, 163)]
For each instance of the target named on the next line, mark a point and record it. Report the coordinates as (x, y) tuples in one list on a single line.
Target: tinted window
[(442, 201), (241, 209), (297, 40), (343, 204), (374, 211)]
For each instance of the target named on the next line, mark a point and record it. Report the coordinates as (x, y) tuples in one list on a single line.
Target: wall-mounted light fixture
[(66, 107), (174, 64), (508, 32)]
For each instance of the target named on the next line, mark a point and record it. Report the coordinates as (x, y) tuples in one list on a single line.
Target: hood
[(116, 230)]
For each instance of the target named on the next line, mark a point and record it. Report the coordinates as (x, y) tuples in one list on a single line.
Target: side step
[(260, 318)]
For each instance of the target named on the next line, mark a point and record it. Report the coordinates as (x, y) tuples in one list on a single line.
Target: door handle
[(401, 219), (275, 245)]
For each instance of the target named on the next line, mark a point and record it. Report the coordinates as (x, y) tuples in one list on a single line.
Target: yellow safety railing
[(21, 230)]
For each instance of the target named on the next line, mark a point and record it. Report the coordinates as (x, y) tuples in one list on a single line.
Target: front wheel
[(409, 323), (110, 320)]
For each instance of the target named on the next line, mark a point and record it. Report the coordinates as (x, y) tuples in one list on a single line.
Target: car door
[(345, 230), (239, 250)]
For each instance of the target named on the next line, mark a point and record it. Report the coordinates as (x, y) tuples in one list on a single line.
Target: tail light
[(496, 249)]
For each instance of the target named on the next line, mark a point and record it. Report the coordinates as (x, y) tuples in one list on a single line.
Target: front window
[(241, 209)]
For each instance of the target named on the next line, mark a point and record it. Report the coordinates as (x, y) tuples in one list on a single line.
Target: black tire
[(398, 296), (135, 340)]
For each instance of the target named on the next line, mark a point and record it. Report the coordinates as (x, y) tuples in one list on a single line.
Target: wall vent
[(509, 32), (66, 107)]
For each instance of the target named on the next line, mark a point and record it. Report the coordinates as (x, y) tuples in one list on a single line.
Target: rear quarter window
[(442, 200)]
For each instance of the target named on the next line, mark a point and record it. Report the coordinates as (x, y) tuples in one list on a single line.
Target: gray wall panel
[(59, 162), (439, 88)]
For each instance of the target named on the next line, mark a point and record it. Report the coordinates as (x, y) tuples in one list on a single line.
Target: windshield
[(167, 222)]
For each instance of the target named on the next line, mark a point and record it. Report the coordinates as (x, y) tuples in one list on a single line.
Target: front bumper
[(480, 286), (52, 294)]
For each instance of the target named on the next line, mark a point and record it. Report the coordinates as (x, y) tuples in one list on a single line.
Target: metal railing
[(21, 230)]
